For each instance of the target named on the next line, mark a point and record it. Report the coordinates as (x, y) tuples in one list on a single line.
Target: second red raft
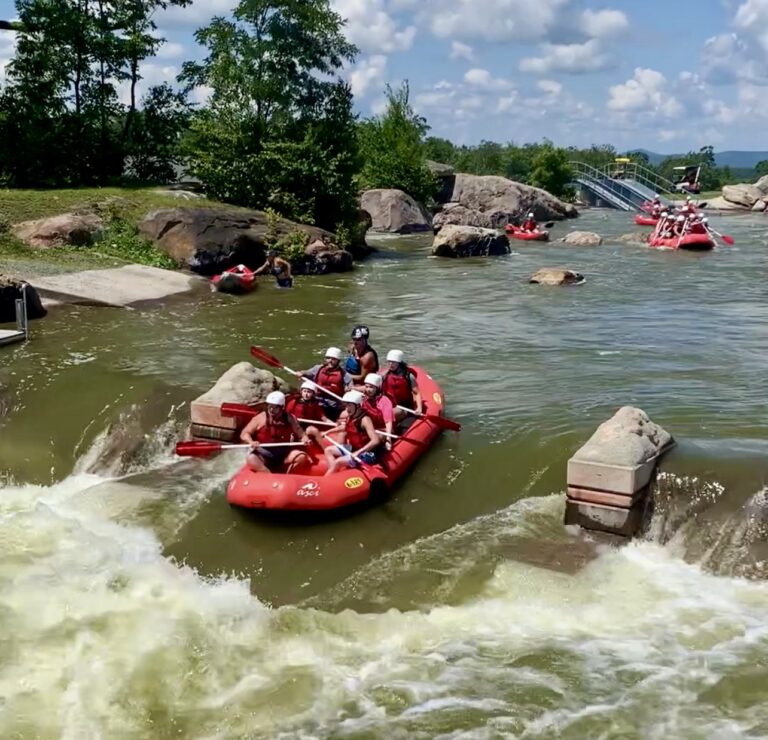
[(696, 242), (516, 233), (641, 220)]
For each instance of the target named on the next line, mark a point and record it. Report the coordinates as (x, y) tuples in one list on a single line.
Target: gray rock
[(721, 204), (440, 170), (762, 184), (556, 276), (489, 201), (395, 212), (628, 438), (636, 238), (760, 206), (582, 239), (742, 195), (66, 229), (469, 241)]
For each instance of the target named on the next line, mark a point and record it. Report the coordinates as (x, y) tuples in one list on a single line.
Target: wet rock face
[(10, 290), (469, 241)]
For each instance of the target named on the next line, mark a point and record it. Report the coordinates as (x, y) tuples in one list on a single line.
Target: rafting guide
[(278, 267)]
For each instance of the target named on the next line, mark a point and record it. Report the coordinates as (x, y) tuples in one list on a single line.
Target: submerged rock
[(469, 241), (556, 276), (582, 239)]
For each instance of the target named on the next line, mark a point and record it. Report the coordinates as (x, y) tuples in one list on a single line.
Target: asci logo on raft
[(309, 489), (353, 482)]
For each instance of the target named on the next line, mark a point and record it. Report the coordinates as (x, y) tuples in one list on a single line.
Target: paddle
[(204, 449), (364, 465), (271, 360), (729, 240), (240, 409)]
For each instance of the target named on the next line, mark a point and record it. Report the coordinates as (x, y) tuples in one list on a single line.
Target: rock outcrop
[(469, 241), (762, 184), (721, 204), (395, 212), (582, 239), (743, 195), (210, 240), (10, 291), (491, 202), (556, 276), (66, 229)]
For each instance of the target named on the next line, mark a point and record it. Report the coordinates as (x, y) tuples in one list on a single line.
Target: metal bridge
[(622, 186)]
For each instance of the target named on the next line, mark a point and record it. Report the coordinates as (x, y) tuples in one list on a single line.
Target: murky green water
[(135, 603)]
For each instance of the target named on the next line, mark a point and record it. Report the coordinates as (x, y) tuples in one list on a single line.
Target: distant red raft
[(641, 220), (314, 491), (696, 242), (239, 279), (534, 236)]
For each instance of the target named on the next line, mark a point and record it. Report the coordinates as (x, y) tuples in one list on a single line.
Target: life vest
[(356, 435), (397, 387), (305, 409), (331, 379), (275, 431), (529, 225), (372, 410)]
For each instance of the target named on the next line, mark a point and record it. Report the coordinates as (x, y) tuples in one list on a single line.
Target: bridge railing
[(645, 176), (603, 185)]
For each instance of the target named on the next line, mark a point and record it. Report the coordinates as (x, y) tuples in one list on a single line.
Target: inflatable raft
[(641, 220), (533, 236), (238, 279), (312, 490), (697, 242)]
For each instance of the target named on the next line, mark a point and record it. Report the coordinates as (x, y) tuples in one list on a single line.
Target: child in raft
[(358, 435)]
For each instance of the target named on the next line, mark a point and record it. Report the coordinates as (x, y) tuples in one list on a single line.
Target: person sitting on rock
[(358, 436), (306, 408), (331, 376), (399, 385), (530, 223), (278, 267), (275, 425), (362, 358)]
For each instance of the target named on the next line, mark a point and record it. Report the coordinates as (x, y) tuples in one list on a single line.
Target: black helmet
[(271, 253), (360, 332)]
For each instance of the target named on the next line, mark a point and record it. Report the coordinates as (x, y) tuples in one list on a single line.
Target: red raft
[(641, 220), (314, 491), (695, 242), (238, 279), (533, 236)]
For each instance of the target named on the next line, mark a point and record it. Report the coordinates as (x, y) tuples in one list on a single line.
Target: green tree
[(551, 170), (279, 128), (439, 150), (761, 169), (393, 151)]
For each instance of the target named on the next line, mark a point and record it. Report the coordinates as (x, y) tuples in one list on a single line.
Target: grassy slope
[(25, 205)]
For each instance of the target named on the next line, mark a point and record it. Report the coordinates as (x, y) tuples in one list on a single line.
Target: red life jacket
[(529, 225), (397, 387), (331, 379), (357, 437), (275, 431), (305, 409), (373, 411)]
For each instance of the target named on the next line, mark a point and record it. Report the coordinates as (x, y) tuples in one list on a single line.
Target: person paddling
[(331, 376), (529, 224), (278, 267), (399, 385), (358, 436), (363, 358), (275, 425)]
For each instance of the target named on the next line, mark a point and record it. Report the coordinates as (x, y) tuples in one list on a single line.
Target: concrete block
[(622, 479), (624, 522), (618, 500)]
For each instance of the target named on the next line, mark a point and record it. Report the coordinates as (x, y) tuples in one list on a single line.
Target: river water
[(134, 602)]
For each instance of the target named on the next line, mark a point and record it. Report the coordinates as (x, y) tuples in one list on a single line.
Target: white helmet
[(395, 355), (276, 398), (681, 217), (656, 196), (705, 220), (353, 397), (373, 379), (530, 215), (333, 352), (307, 386), (688, 199)]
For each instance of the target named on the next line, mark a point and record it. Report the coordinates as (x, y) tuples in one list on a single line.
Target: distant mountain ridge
[(730, 158)]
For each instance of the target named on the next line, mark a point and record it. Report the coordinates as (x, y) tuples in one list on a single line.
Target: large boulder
[(760, 206), (742, 195), (210, 240), (721, 204), (395, 212), (556, 276), (492, 202), (440, 170), (582, 239), (628, 438), (242, 383), (762, 184), (10, 291), (469, 241), (66, 229)]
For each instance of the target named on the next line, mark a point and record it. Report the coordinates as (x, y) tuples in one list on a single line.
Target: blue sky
[(667, 75)]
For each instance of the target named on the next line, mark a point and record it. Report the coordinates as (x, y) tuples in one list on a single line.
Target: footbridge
[(625, 186)]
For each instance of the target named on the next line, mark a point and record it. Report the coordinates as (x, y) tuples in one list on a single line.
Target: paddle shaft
[(345, 451)]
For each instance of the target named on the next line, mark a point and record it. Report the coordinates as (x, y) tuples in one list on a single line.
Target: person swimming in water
[(278, 267)]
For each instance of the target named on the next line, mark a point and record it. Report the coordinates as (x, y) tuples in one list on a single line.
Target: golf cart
[(689, 179)]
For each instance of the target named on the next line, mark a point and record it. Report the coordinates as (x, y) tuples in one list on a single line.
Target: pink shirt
[(384, 405)]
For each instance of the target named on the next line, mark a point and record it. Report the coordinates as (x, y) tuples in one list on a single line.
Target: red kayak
[(698, 242), (312, 490), (535, 236), (238, 279), (641, 220)]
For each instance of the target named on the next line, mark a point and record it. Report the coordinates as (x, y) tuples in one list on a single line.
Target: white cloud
[(604, 23), (371, 28), (369, 72), (198, 14), (752, 17), (7, 50), (647, 91), (568, 58), (172, 50), (550, 87), (482, 78), (151, 74), (461, 51)]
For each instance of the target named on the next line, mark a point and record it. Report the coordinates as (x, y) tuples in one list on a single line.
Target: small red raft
[(694, 242), (534, 236), (314, 491), (238, 279), (641, 220)]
